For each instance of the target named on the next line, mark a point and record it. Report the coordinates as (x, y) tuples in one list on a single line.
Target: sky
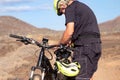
[(41, 14)]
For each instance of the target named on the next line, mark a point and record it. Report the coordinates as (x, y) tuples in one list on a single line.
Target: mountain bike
[(46, 71)]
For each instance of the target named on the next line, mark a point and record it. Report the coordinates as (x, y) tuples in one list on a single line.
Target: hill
[(9, 24), (111, 26)]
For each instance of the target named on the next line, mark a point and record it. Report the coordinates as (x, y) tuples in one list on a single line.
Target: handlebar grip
[(16, 36)]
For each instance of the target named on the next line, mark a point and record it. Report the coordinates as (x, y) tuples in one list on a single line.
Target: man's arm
[(67, 33)]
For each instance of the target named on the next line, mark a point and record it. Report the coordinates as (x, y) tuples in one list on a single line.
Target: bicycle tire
[(61, 77), (36, 77)]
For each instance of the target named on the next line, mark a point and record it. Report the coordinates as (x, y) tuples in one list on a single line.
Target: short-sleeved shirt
[(84, 19)]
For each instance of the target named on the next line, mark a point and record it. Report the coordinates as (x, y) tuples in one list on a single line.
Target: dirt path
[(108, 70), (14, 60), (17, 64)]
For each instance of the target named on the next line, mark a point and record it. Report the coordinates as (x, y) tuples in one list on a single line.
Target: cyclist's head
[(60, 5), (70, 70)]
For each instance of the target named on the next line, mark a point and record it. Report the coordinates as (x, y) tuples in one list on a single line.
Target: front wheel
[(36, 77), (61, 77)]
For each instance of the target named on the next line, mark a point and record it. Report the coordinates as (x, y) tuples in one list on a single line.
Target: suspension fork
[(40, 57), (38, 65)]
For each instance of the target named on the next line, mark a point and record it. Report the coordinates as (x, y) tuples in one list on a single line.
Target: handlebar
[(16, 36), (61, 48), (32, 41), (43, 44)]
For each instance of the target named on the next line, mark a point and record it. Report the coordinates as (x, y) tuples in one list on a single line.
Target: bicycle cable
[(50, 54)]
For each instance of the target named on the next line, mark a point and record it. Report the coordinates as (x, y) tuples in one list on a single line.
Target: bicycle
[(43, 64)]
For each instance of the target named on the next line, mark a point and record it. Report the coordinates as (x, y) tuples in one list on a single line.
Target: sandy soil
[(15, 64)]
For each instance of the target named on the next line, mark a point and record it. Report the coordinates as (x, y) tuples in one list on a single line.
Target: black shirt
[(84, 19)]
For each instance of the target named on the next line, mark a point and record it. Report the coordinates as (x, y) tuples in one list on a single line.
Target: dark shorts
[(88, 56)]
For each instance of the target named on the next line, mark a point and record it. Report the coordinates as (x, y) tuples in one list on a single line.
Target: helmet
[(70, 70), (57, 7)]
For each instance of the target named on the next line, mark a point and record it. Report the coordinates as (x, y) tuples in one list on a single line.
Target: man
[(82, 30)]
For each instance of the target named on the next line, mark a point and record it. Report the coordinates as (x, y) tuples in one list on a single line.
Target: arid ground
[(16, 58)]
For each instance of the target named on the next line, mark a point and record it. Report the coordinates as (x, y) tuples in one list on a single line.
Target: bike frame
[(43, 63)]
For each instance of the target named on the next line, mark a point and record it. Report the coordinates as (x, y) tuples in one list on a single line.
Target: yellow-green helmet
[(70, 70), (56, 6)]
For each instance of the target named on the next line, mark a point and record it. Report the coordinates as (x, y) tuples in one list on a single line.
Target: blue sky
[(41, 14)]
